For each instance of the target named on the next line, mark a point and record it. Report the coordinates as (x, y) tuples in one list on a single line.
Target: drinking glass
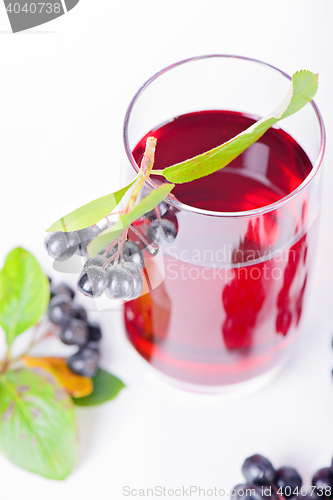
[(225, 299)]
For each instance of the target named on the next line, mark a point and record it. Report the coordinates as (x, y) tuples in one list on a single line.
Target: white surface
[(64, 90)]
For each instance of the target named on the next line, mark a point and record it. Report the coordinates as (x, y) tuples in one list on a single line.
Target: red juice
[(217, 321)]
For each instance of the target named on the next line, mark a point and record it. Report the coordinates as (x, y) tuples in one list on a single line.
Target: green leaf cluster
[(37, 416)]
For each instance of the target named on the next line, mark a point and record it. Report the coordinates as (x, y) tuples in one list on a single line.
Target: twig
[(34, 341), (109, 248), (140, 235), (147, 164)]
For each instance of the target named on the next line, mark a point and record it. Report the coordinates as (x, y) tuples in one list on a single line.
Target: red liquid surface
[(214, 326)]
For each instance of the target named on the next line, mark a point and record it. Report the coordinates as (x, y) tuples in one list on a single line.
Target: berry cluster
[(75, 329), (284, 483), (119, 280), (118, 270)]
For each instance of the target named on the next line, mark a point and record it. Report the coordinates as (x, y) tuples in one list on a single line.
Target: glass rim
[(247, 213)]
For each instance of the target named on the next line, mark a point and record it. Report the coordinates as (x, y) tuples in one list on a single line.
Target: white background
[(64, 89)]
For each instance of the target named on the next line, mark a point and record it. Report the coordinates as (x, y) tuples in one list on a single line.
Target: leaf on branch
[(302, 90), (24, 293), (75, 385), (37, 423), (104, 239), (91, 213), (106, 387)]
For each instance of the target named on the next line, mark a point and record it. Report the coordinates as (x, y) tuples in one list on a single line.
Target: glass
[(228, 295)]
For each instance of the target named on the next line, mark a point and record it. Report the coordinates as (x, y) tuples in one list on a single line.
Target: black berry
[(167, 229), (84, 362), (289, 480), (120, 283), (79, 312), (93, 345), (61, 246), (162, 208), (133, 253), (137, 277), (92, 282), (60, 309), (62, 289), (95, 332), (75, 333), (98, 261), (258, 469), (323, 479)]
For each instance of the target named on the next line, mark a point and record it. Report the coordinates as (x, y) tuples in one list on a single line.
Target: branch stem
[(145, 170), (150, 246)]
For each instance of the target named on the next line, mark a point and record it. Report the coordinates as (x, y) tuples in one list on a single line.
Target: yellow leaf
[(76, 385)]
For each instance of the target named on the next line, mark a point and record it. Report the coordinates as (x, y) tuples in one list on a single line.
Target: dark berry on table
[(52, 294), (75, 333), (136, 274), (238, 492), (95, 345), (85, 237), (132, 252), (92, 282), (84, 362), (79, 312), (289, 480), (62, 289), (60, 309), (98, 261), (95, 331), (323, 479), (258, 469), (120, 283), (61, 246)]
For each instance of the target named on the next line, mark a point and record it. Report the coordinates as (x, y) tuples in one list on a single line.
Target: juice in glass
[(236, 275)]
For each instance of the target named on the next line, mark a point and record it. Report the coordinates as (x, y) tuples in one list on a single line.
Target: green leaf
[(91, 213), (106, 387), (302, 90), (24, 293), (37, 423), (104, 239)]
